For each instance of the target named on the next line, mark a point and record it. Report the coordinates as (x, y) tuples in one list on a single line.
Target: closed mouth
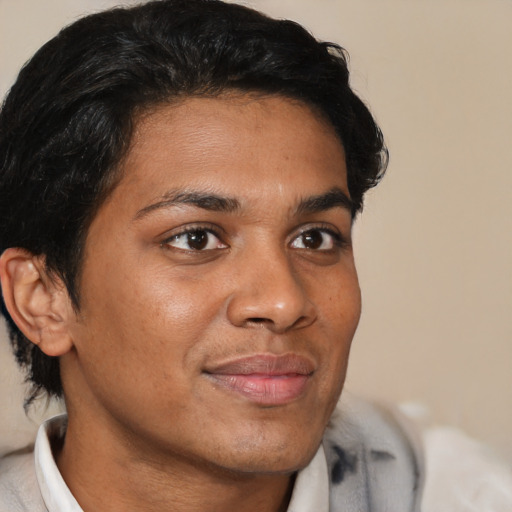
[(265, 378)]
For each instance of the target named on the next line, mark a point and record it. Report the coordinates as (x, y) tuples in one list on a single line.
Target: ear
[(38, 304)]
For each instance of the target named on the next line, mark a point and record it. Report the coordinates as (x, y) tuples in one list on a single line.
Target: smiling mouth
[(265, 379)]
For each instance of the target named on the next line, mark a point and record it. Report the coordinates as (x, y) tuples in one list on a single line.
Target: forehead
[(262, 151), (237, 141)]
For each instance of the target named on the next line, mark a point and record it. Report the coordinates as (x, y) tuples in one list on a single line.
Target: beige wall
[(434, 244)]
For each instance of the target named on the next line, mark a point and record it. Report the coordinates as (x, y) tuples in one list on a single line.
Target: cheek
[(342, 305), (342, 310), (176, 307), (138, 339), (156, 317)]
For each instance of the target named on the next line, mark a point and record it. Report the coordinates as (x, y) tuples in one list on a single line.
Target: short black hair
[(67, 121)]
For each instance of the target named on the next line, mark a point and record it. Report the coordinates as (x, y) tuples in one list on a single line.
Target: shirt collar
[(56, 495), (310, 492), (311, 489)]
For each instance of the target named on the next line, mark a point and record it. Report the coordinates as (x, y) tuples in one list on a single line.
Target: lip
[(265, 379)]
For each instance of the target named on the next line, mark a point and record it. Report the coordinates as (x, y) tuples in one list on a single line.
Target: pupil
[(313, 240), (197, 240)]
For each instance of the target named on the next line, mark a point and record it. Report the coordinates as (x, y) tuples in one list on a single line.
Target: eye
[(195, 240), (317, 240)]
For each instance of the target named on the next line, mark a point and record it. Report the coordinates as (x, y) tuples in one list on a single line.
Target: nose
[(268, 292)]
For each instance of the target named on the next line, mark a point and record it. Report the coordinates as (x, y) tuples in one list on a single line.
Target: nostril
[(257, 320)]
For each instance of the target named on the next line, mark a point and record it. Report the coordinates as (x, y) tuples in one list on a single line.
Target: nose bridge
[(268, 290)]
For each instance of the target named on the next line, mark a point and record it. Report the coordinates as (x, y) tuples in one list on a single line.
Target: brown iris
[(197, 240), (312, 239)]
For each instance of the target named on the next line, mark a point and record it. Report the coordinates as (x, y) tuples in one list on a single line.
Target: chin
[(272, 454)]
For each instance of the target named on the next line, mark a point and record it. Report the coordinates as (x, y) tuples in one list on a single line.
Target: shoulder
[(463, 475), (379, 459), (19, 490)]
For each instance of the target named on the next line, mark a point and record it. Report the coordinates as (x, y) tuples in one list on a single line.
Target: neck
[(105, 474)]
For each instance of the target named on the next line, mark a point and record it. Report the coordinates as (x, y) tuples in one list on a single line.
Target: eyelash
[(188, 230), (339, 241)]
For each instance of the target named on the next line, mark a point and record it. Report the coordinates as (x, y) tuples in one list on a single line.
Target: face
[(219, 295)]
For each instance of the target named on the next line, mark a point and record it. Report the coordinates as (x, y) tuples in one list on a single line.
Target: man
[(178, 186)]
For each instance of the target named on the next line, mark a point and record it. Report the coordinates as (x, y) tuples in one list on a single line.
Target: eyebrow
[(204, 200), (335, 197)]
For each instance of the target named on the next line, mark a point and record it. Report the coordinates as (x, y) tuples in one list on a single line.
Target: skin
[(272, 274)]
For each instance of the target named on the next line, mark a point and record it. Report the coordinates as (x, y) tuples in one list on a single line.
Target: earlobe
[(39, 305)]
